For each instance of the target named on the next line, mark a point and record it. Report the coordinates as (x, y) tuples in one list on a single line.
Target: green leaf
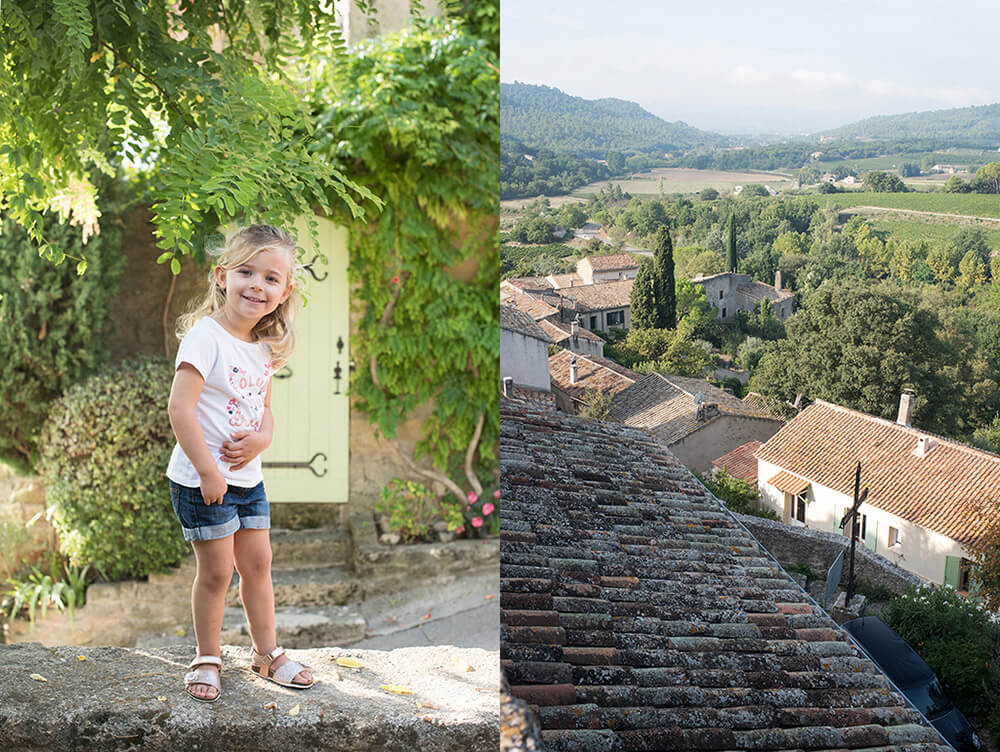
[(175, 266)]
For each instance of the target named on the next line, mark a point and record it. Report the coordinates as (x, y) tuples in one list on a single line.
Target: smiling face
[(257, 286)]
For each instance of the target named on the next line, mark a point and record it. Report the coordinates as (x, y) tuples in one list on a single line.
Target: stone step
[(306, 586), (300, 627), (318, 547)]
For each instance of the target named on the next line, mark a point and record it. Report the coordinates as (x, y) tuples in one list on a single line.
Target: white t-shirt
[(236, 375)]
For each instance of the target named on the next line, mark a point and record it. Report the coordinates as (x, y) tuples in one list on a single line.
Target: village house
[(570, 336), (574, 375), (730, 292), (524, 350), (636, 613), (696, 420), (925, 492), (596, 269)]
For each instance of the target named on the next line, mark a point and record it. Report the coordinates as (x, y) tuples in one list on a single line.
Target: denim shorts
[(240, 507)]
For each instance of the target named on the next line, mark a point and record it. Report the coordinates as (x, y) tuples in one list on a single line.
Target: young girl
[(220, 412)]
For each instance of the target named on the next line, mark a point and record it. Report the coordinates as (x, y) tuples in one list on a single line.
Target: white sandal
[(284, 674), (204, 676)]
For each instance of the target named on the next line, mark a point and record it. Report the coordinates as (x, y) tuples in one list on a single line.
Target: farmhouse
[(524, 350), (925, 492), (697, 420), (636, 613), (730, 292)]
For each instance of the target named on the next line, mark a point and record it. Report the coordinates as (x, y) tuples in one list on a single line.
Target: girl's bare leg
[(252, 551), (208, 600)]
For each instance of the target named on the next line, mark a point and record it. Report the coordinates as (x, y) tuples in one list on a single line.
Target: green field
[(895, 161), (971, 204), (687, 180), (936, 234)]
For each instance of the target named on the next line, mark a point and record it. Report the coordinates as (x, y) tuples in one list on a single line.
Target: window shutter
[(871, 534), (952, 565)]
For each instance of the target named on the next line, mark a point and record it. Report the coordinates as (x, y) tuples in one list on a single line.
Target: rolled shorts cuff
[(212, 532)]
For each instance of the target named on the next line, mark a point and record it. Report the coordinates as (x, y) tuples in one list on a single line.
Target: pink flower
[(477, 521), (472, 497), (468, 507), (487, 508), (395, 280), (496, 494), (460, 529)]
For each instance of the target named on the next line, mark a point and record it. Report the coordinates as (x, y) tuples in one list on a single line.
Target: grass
[(936, 234), (686, 180), (972, 204), (895, 161)]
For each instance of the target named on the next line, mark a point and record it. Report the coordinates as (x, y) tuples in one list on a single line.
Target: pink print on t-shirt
[(252, 393)]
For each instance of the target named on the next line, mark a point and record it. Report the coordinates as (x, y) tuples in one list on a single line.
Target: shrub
[(957, 639), (103, 454), (409, 509), (54, 325), (739, 496), (477, 518)]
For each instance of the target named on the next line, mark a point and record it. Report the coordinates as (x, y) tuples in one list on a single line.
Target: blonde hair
[(275, 329)]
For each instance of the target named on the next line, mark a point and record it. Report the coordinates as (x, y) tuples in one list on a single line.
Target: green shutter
[(952, 566), (871, 534)]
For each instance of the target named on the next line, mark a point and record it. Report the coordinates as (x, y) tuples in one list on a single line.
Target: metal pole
[(854, 535)]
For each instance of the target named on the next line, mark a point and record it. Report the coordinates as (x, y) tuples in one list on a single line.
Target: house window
[(593, 322), (723, 313), (964, 573), (862, 527), (893, 537), (800, 507), (720, 294), (616, 318)]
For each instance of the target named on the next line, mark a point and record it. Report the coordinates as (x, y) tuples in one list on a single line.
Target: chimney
[(924, 445), (574, 327), (777, 280), (508, 386), (905, 408), (572, 371)]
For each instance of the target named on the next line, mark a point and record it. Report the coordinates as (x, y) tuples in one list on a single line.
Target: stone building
[(730, 292)]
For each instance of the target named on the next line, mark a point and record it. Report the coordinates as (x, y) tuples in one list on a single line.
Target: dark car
[(914, 678)]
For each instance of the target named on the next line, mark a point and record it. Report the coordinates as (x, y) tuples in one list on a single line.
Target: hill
[(542, 116), (977, 126)]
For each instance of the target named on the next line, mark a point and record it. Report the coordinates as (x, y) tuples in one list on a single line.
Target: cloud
[(820, 80), (746, 75)]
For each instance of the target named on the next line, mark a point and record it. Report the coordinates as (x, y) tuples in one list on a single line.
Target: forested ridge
[(966, 126)]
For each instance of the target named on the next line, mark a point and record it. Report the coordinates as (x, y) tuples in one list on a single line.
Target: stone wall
[(719, 436), (22, 499), (818, 549)]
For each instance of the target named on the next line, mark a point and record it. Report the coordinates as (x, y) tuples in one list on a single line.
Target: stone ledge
[(111, 701)]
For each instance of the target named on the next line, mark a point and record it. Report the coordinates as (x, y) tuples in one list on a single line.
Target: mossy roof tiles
[(638, 614)]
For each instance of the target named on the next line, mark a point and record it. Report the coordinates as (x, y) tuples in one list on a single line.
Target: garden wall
[(818, 549)]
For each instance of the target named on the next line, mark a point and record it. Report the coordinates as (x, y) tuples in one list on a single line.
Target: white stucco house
[(925, 492), (524, 350)]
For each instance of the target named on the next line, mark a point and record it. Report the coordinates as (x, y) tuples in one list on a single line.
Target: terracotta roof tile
[(612, 262), (941, 491), (741, 462), (592, 372), (568, 279), (525, 284), (561, 332), (600, 296), (516, 321), (537, 309), (676, 630), (665, 404)]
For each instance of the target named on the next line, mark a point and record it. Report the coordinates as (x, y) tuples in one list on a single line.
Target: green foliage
[(416, 115), (102, 455), (641, 299), (664, 295), (409, 508), (536, 260), (90, 85), (478, 517), (731, 258), (672, 351), (739, 496), (596, 404), (54, 323), (35, 589), (883, 182), (957, 639)]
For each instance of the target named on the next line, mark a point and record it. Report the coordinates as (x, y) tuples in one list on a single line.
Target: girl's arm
[(184, 394), (248, 444)]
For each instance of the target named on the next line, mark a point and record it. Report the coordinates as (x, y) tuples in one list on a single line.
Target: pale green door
[(308, 459)]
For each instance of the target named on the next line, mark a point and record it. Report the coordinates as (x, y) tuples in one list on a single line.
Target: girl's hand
[(213, 486), (245, 446)]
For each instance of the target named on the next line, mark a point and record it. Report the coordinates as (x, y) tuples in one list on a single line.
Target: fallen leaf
[(294, 711), (349, 662), (161, 698), (428, 705), (391, 619), (38, 677), (271, 706), (397, 690), (81, 657), (427, 615), (491, 596), (180, 632)]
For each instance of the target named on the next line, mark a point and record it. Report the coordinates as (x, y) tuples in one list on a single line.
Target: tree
[(663, 280), (909, 169), (955, 184), (731, 260), (616, 162), (883, 182), (642, 299), (989, 176), (709, 194), (972, 271)]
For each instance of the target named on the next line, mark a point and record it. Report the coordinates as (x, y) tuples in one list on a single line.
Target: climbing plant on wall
[(417, 114)]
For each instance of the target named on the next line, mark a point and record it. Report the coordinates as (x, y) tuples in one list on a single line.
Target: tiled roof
[(568, 279), (612, 262), (756, 291), (788, 482), (516, 321), (941, 491), (592, 372), (638, 614), (768, 405), (602, 295), (534, 307), (741, 462), (536, 397), (560, 332), (522, 284), (665, 404)]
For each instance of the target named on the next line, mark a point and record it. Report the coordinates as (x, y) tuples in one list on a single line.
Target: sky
[(758, 67)]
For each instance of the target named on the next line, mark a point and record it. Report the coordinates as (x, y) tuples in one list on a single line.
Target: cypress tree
[(642, 303), (731, 262), (663, 280)]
